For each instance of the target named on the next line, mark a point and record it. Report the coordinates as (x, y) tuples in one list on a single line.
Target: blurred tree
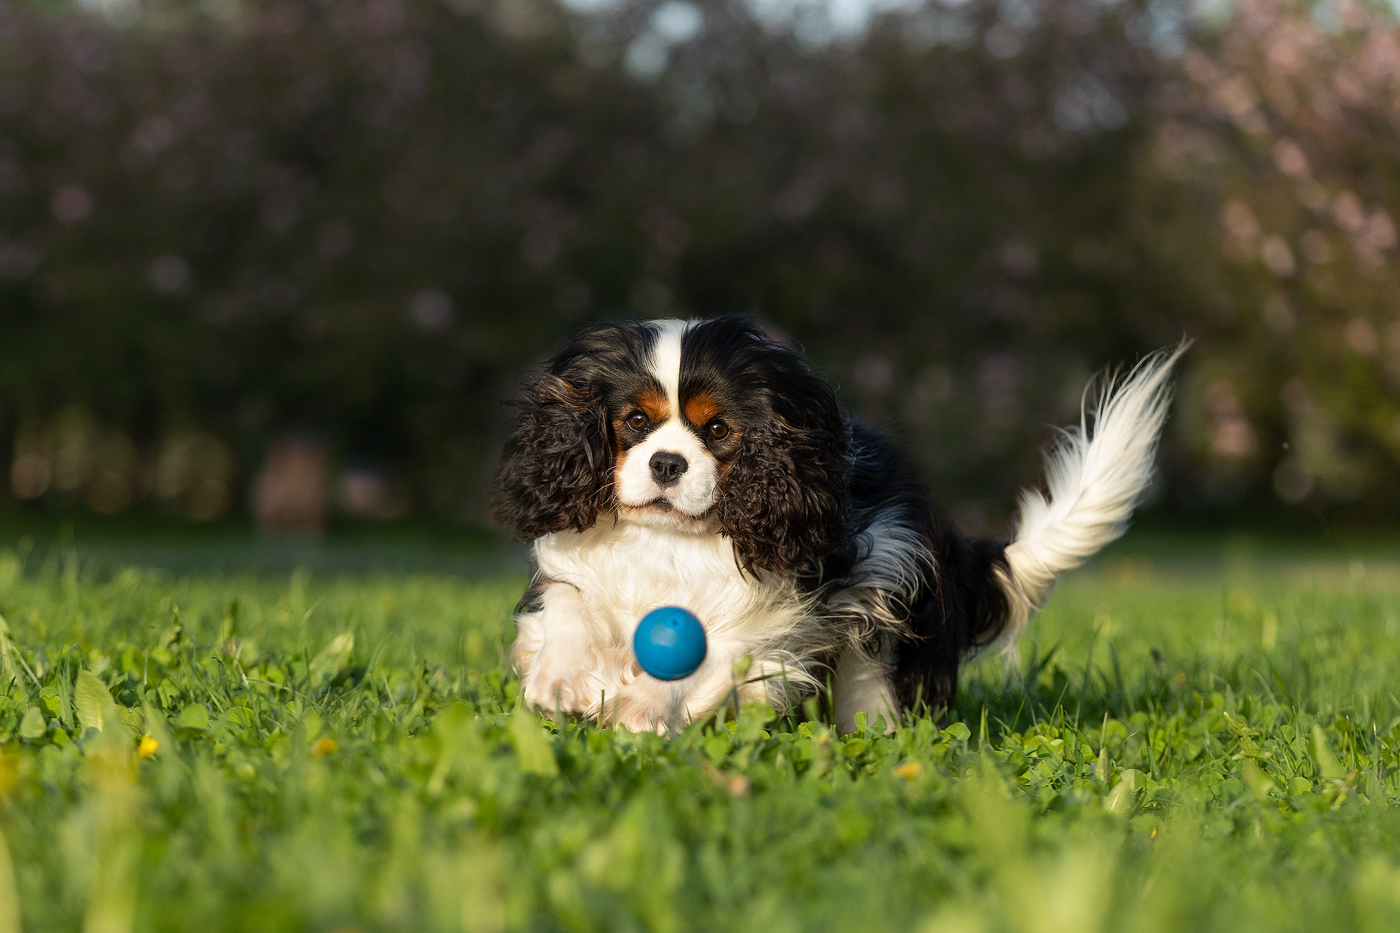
[(357, 221), (1270, 190)]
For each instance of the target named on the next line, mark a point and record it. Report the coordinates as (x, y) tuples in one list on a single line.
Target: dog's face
[(699, 427), (677, 422)]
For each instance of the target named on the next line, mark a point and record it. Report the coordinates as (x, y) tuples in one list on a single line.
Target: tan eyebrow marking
[(701, 408), (654, 404)]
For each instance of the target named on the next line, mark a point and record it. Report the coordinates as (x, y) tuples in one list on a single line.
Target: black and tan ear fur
[(786, 499), (556, 470)]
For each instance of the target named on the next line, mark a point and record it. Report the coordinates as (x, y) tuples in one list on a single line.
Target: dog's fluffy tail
[(1095, 474)]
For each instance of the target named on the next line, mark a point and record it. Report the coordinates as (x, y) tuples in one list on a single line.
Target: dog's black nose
[(666, 468)]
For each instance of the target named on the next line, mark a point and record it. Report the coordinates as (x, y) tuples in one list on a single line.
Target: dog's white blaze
[(665, 362)]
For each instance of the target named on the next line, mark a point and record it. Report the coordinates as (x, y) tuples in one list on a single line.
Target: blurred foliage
[(228, 222), (1278, 143)]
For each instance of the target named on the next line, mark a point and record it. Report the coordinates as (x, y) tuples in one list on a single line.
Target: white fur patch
[(862, 685)]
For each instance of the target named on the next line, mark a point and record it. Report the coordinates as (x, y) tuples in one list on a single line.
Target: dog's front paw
[(644, 707), (562, 687), (637, 717)]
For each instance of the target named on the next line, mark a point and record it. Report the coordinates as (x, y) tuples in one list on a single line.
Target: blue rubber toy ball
[(669, 643)]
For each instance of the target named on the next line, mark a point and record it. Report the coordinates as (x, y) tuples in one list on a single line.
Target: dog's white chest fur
[(574, 650), (623, 572)]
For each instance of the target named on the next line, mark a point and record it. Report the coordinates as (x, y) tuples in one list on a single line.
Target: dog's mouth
[(664, 514), (658, 506), (655, 507)]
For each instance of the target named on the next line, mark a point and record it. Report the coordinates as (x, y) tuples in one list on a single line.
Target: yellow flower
[(324, 745), (909, 770), (148, 746)]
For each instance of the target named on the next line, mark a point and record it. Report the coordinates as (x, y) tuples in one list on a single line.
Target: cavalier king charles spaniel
[(701, 464)]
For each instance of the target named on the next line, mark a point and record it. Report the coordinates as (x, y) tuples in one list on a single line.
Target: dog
[(702, 464)]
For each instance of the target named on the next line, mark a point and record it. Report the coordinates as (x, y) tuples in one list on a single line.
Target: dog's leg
[(561, 654), (862, 685), (647, 705)]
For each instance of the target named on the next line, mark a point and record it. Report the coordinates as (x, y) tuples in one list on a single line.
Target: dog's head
[(703, 427)]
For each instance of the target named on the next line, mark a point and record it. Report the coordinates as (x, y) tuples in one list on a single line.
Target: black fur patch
[(532, 600), (555, 470), (783, 500)]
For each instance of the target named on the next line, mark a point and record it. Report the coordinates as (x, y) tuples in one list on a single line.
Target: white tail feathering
[(1094, 480)]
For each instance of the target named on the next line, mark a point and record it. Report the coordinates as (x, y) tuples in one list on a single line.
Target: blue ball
[(669, 643)]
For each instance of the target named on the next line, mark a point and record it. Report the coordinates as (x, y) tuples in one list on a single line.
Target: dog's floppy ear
[(556, 469), (785, 503)]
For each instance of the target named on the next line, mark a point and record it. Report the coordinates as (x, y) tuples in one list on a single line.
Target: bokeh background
[(285, 259)]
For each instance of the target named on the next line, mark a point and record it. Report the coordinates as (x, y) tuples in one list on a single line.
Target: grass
[(1197, 744)]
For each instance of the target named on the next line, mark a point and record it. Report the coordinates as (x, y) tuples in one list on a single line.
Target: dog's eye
[(636, 421), (717, 430)]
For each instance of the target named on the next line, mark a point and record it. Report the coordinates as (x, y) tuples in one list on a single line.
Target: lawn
[(1198, 742)]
